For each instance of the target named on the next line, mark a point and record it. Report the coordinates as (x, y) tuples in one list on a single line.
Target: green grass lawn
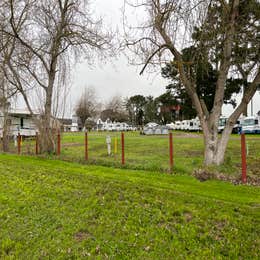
[(59, 210), (152, 152)]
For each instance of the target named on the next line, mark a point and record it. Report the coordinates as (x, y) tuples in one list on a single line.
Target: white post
[(108, 141), (15, 140)]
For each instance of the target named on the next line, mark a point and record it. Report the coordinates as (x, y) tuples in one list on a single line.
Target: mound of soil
[(204, 175)]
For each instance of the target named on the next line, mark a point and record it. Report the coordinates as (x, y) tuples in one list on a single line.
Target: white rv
[(155, 129), (171, 126), (178, 125), (185, 124), (20, 121), (251, 125), (194, 125)]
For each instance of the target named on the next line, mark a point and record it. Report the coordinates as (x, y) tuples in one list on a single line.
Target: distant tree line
[(136, 110)]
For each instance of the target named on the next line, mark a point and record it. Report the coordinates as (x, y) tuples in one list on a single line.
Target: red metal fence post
[(243, 157), (19, 143), (58, 144), (86, 146), (123, 147), (171, 151), (36, 143)]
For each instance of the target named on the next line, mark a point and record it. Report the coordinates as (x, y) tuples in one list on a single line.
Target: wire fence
[(146, 152)]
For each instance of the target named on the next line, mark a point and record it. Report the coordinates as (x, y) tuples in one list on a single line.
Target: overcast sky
[(117, 77)]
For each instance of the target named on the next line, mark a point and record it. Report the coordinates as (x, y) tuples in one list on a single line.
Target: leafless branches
[(47, 37)]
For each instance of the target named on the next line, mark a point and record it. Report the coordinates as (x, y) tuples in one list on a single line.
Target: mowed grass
[(152, 152), (59, 210)]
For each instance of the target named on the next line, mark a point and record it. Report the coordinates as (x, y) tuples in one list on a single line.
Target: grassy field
[(59, 210), (152, 152)]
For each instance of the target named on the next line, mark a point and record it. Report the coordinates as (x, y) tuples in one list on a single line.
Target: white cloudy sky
[(116, 77)]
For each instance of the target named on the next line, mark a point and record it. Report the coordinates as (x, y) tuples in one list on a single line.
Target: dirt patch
[(82, 235), (204, 175), (188, 216)]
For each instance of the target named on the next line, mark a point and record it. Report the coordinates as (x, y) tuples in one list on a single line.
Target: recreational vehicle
[(155, 129), (19, 121), (194, 125), (178, 125), (251, 125), (171, 126)]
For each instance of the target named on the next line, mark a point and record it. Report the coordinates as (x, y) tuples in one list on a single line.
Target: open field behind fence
[(152, 152)]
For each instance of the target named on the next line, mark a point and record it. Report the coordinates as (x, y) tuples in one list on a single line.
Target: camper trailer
[(194, 125), (170, 126), (155, 129), (178, 125), (251, 125), (19, 121)]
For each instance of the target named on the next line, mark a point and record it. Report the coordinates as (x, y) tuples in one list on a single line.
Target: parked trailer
[(178, 125), (20, 121), (185, 125), (155, 129), (194, 125), (251, 125), (170, 126)]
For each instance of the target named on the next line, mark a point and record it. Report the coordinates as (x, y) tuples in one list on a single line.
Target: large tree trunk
[(245, 111), (222, 145), (210, 151), (6, 136), (6, 127), (47, 143), (47, 140), (215, 146), (211, 146)]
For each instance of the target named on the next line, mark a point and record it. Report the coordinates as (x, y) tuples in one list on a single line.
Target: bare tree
[(115, 110), (167, 28), (49, 35), (87, 105), (7, 91), (4, 112)]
